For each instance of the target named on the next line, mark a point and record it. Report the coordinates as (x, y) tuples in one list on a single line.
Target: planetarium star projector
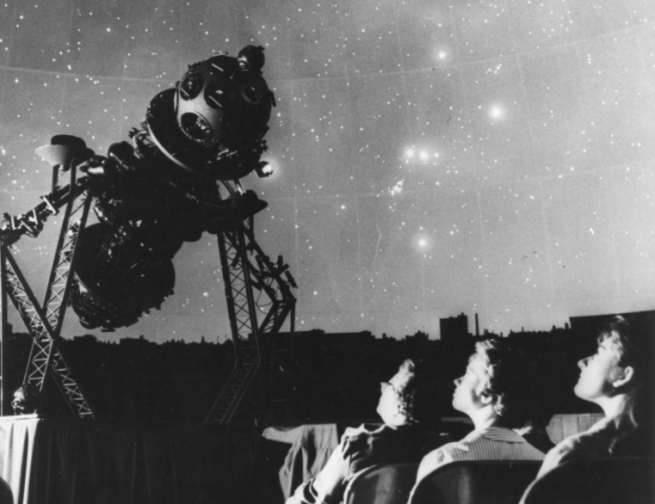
[(209, 128), (177, 179), (215, 119)]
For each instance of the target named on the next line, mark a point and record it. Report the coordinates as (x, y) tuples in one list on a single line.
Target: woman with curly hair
[(494, 392)]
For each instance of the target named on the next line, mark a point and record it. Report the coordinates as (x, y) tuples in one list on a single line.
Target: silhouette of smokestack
[(477, 326)]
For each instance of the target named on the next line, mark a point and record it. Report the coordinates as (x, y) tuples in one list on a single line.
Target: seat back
[(611, 480), (6, 495), (382, 484), (477, 482)]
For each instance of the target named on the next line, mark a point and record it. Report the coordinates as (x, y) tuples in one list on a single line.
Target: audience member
[(26, 399), (492, 393), (618, 378), (403, 407)]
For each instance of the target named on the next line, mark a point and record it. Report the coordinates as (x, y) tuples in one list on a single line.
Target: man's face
[(597, 372), (468, 388), (389, 401), (18, 404)]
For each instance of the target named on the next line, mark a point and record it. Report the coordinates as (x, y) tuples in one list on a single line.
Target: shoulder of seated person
[(360, 436), (600, 429), (435, 459), (565, 446), (595, 435), (561, 452), (446, 450), (604, 425), (363, 429)]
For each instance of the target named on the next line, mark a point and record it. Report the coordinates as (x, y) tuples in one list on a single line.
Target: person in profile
[(26, 399), (619, 379), (492, 393), (404, 407)]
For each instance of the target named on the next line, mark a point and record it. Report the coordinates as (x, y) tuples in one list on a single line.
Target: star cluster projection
[(430, 157)]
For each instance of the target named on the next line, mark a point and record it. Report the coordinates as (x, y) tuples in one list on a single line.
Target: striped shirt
[(492, 443)]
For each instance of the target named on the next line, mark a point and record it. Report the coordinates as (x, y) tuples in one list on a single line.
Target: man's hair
[(416, 401), (507, 380)]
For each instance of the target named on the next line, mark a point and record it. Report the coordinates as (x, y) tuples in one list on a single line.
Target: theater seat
[(382, 484), (477, 482), (6, 495), (596, 481)]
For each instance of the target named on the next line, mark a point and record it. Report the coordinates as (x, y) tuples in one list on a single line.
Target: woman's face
[(597, 372)]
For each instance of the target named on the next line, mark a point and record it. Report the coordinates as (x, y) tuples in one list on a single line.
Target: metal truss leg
[(251, 287), (45, 354), (243, 323), (44, 321)]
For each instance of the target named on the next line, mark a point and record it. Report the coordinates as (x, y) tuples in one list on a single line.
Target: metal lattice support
[(243, 322), (56, 296), (276, 291), (243, 277), (44, 322), (45, 355)]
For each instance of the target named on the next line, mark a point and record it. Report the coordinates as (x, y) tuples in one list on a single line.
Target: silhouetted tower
[(454, 328)]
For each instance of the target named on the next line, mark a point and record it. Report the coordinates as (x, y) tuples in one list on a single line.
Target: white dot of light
[(267, 170), (422, 242), (274, 167), (497, 112), (441, 55), (421, 155)]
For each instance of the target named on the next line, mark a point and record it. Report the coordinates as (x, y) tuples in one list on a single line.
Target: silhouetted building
[(419, 337), (454, 328), (588, 326)]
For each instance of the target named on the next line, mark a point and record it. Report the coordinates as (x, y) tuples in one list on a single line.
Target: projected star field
[(429, 158)]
